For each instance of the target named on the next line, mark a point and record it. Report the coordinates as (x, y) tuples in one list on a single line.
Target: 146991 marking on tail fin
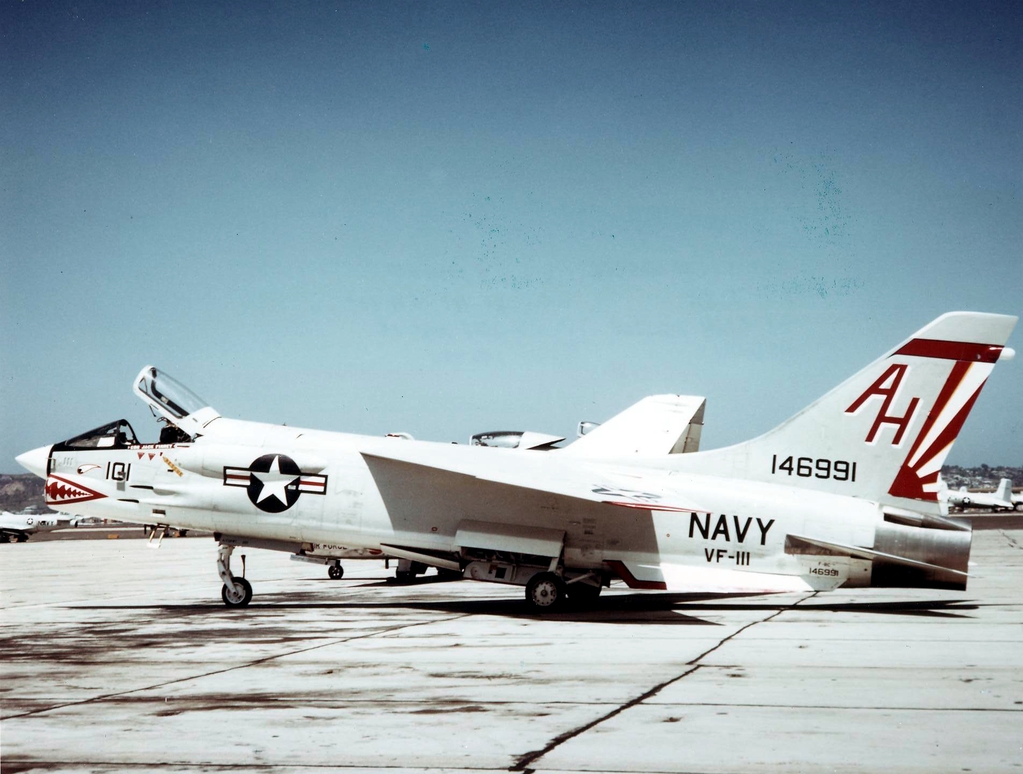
[(809, 467)]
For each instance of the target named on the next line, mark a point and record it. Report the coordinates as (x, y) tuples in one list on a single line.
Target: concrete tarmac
[(120, 657)]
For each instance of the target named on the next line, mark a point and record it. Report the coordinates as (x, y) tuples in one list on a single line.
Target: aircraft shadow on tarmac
[(659, 609)]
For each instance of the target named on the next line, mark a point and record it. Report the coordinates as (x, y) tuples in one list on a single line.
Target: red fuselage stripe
[(631, 580)]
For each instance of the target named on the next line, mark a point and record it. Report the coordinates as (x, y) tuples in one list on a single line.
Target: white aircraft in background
[(843, 494), (999, 500), (18, 526)]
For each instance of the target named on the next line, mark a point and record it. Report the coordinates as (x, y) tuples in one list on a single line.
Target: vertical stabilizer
[(1004, 491), (884, 433)]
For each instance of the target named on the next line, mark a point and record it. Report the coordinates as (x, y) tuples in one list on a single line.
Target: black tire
[(336, 572), (230, 600), (404, 576), (450, 575), (5, 538), (582, 593), (545, 592), (21, 538)]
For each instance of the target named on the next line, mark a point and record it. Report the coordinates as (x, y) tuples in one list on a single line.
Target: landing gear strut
[(408, 570), (237, 592)]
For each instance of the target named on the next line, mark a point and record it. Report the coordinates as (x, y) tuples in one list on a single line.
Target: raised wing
[(656, 425)]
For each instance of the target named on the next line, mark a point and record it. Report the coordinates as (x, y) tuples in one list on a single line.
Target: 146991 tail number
[(808, 467)]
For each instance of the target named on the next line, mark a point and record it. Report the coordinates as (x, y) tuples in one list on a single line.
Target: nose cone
[(36, 460)]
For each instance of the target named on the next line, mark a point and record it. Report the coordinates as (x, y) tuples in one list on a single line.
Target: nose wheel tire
[(336, 572), (545, 592), (237, 598)]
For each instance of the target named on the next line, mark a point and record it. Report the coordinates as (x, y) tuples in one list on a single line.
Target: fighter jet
[(843, 494), (19, 526)]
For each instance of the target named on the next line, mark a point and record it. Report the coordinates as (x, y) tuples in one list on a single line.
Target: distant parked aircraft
[(18, 526), (1000, 500)]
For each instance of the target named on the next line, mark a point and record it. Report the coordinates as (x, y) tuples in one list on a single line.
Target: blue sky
[(444, 218)]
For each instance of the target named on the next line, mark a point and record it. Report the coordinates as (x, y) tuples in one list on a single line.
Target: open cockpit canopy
[(170, 399)]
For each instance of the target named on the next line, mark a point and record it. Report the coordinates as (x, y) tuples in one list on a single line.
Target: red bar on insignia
[(317, 485), (241, 478)]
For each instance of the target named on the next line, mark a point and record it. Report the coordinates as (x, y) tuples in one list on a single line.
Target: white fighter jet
[(843, 494), (19, 526)]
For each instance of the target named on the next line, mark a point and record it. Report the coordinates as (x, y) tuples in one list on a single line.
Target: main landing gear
[(237, 592), (547, 591)]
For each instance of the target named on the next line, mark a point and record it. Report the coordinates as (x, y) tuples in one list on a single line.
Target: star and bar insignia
[(274, 482)]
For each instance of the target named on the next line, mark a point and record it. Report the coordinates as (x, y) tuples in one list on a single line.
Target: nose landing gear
[(237, 592)]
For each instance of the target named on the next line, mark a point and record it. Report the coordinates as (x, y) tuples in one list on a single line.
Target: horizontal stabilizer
[(856, 552)]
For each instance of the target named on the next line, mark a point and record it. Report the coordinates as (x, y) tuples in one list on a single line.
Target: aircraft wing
[(656, 425), (527, 471)]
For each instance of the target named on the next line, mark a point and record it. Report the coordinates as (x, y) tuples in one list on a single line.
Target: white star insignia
[(274, 482)]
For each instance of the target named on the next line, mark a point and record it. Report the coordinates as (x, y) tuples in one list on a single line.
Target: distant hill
[(21, 492)]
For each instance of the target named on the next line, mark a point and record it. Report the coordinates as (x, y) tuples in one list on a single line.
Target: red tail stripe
[(951, 350), (959, 371)]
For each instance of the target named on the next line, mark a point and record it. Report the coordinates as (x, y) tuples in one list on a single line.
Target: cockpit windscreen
[(115, 435)]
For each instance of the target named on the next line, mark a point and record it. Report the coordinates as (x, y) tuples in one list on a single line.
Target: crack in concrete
[(1010, 539), (265, 659), (33, 764), (523, 763)]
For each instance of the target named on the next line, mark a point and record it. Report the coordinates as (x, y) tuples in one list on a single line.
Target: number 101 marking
[(808, 467)]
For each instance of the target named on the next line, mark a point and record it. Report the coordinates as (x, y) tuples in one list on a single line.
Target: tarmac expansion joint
[(523, 763)]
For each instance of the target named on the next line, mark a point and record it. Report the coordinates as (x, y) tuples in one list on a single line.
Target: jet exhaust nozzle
[(930, 558)]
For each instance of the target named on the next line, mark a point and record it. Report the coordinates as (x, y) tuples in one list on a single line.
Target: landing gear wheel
[(545, 592), (235, 599), (21, 538), (582, 593), (5, 538), (336, 572)]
